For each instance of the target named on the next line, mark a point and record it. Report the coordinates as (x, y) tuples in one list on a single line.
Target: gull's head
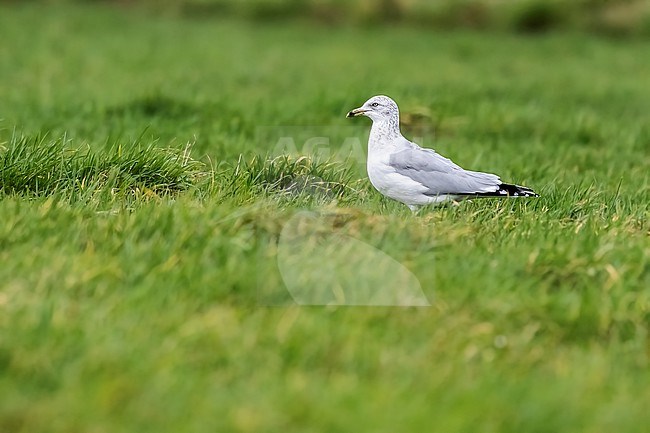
[(377, 108)]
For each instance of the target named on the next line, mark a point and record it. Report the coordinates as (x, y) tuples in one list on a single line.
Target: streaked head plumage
[(380, 107)]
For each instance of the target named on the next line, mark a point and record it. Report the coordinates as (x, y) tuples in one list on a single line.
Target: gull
[(416, 176)]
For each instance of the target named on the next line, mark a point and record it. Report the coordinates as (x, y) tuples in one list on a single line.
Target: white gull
[(415, 176)]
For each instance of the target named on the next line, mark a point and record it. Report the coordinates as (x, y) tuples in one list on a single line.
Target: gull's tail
[(508, 190)]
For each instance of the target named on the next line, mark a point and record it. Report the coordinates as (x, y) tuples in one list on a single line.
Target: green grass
[(139, 289)]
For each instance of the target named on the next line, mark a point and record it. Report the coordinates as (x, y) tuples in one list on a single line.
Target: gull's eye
[(374, 104)]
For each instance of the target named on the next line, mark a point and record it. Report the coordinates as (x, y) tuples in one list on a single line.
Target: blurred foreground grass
[(133, 278)]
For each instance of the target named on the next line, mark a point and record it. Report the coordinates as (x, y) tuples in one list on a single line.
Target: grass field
[(142, 198)]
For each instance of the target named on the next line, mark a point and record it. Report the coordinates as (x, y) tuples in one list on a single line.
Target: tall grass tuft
[(38, 166), (285, 176)]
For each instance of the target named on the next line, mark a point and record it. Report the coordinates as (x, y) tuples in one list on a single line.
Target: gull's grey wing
[(439, 174)]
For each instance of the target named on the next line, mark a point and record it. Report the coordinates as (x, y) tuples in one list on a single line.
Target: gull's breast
[(394, 185)]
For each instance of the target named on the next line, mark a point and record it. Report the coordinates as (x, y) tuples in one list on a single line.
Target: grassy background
[(620, 18), (132, 264)]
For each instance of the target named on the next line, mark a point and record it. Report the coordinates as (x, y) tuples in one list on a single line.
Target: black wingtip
[(515, 191), (508, 190)]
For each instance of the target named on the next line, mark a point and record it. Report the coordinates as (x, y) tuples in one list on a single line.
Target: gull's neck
[(384, 132)]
